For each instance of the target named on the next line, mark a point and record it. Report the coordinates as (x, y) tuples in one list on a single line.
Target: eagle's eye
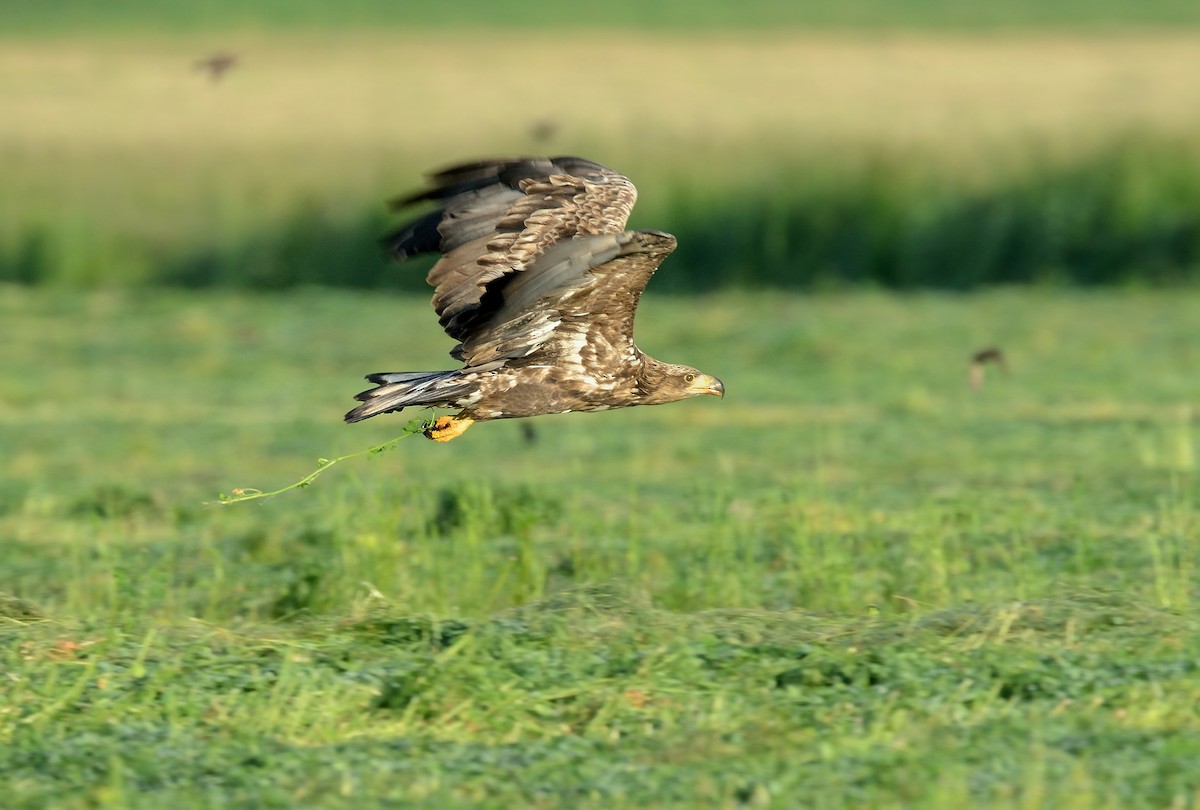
[(689, 377)]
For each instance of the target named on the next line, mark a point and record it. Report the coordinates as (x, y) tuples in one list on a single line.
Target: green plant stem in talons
[(249, 494)]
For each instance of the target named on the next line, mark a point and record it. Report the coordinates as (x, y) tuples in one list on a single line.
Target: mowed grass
[(883, 157), (853, 582)]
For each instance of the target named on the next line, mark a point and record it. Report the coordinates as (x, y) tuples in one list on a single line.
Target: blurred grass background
[(925, 148), (223, 15)]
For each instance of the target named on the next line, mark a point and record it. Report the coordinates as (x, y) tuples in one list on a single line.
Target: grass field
[(857, 581), (900, 159), (121, 16), (854, 582)]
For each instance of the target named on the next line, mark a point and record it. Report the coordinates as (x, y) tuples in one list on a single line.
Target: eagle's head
[(670, 382)]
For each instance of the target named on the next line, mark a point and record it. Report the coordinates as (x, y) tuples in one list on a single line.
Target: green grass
[(673, 15), (853, 582)]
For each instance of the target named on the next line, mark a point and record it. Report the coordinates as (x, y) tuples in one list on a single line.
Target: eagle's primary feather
[(539, 282)]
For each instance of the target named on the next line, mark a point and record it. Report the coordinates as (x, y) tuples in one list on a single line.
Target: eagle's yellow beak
[(706, 384)]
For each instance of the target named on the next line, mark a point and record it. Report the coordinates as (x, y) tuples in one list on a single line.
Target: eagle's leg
[(445, 428)]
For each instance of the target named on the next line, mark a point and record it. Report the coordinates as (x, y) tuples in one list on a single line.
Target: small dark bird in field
[(217, 65), (538, 282), (975, 372)]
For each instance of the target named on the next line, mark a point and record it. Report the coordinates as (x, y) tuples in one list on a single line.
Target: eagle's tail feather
[(397, 390)]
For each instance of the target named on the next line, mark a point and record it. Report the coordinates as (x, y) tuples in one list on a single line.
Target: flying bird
[(979, 359), (538, 282), (217, 65), (544, 130)]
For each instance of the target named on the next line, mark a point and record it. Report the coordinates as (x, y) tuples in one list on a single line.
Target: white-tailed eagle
[(539, 282)]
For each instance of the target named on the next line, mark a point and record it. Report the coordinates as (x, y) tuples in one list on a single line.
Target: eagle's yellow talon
[(446, 428)]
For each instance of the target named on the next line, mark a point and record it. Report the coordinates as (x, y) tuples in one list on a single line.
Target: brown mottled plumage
[(539, 282)]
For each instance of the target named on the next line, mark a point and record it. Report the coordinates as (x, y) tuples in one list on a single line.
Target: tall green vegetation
[(1127, 213)]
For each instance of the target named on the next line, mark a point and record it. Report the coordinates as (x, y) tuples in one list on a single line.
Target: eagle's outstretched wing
[(539, 282), (535, 257)]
